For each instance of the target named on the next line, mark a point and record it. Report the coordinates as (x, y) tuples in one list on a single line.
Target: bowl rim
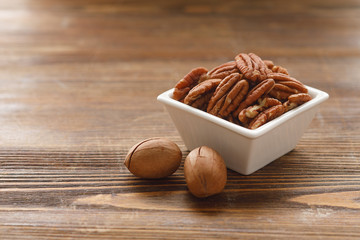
[(317, 95)]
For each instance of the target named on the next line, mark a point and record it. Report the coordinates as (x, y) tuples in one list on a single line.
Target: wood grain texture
[(78, 87)]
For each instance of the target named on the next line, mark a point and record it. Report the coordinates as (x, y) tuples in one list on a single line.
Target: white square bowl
[(244, 150)]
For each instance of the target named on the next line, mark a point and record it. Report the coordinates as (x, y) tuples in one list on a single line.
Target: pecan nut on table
[(247, 91)]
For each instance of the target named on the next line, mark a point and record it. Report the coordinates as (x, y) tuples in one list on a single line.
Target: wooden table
[(79, 81)]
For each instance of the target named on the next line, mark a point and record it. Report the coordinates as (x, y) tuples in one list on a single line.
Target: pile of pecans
[(248, 91)]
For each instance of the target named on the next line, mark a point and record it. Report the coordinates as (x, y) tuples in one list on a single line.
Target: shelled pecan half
[(188, 82), (274, 68), (280, 77), (296, 100), (200, 95), (223, 70), (259, 90), (252, 66), (279, 69), (266, 116), (286, 86), (270, 64), (260, 66), (218, 99), (234, 97), (249, 113), (247, 66)]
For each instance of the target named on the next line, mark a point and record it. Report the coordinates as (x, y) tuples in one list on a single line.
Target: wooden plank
[(78, 87)]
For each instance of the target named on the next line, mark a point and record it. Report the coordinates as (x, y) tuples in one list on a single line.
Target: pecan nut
[(234, 97), (276, 69), (281, 77), (200, 95), (247, 66), (220, 93), (296, 100), (249, 113), (279, 69), (217, 106), (282, 92), (201, 102), (286, 86), (266, 116), (188, 82), (269, 64), (223, 70), (260, 66), (259, 90), (252, 66)]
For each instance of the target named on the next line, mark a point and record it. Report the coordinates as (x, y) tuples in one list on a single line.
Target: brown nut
[(247, 66), (153, 158), (205, 172), (249, 113), (190, 80), (203, 92), (296, 100), (260, 65), (269, 63), (280, 69), (234, 97), (284, 88), (259, 90), (223, 70), (282, 92), (218, 98), (266, 116)]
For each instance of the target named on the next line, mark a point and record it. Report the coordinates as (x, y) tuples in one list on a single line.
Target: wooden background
[(78, 87)]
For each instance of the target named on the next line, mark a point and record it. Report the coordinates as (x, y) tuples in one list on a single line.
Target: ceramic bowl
[(244, 150)]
